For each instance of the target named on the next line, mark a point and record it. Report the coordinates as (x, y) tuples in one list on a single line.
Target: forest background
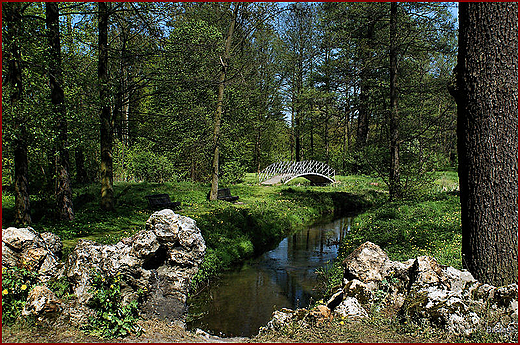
[(303, 81)]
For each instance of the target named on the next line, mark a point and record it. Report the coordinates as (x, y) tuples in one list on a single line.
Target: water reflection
[(244, 299)]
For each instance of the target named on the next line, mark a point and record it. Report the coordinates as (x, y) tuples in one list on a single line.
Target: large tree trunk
[(63, 188), (487, 100), (394, 178), (106, 125), (218, 113), (13, 21)]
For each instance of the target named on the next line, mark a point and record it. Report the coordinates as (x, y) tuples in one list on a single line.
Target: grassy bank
[(233, 232), (429, 225)]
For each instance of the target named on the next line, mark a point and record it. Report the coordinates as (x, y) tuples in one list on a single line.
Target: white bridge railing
[(286, 170)]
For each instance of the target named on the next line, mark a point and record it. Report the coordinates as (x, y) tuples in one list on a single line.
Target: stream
[(243, 300)]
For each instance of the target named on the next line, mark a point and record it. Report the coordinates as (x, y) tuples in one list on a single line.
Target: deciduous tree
[(63, 188), (224, 60), (12, 15), (106, 120)]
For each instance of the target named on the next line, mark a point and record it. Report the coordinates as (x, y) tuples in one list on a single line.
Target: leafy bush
[(140, 162), (16, 284), (60, 286), (113, 318), (232, 172)]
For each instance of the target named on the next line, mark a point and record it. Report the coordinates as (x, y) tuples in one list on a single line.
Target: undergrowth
[(113, 318)]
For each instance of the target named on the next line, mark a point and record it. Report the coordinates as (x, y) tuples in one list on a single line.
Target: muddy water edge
[(242, 300)]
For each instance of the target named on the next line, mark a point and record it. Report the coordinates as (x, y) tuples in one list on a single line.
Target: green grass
[(233, 232), (408, 229), (265, 214)]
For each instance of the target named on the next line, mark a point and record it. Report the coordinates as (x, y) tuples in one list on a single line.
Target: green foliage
[(113, 318), (60, 286), (232, 172), (16, 284), (141, 163), (406, 229)]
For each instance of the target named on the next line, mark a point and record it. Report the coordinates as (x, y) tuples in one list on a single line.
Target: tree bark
[(394, 176), (13, 21), (218, 112), (63, 188), (81, 173), (487, 129), (106, 121)]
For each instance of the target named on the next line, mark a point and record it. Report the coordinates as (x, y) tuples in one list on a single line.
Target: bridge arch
[(285, 171)]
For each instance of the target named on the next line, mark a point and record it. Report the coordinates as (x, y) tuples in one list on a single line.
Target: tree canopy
[(302, 81)]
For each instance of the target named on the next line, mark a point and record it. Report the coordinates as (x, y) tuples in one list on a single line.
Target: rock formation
[(23, 247), (160, 261), (419, 289), (155, 265)]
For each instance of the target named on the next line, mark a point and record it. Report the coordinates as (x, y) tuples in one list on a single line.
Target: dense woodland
[(183, 95), (156, 91)]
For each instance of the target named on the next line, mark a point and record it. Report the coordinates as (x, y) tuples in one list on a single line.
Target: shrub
[(16, 284), (232, 172), (113, 318), (140, 162)]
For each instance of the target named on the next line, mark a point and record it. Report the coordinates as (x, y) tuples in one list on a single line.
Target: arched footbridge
[(282, 172)]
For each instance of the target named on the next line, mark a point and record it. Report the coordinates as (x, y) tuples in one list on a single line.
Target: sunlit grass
[(233, 232)]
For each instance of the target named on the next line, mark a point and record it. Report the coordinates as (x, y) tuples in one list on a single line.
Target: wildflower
[(342, 323), (5, 292), (23, 287)]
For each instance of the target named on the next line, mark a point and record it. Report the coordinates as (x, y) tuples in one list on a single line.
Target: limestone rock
[(350, 307), (23, 247), (42, 303), (15, 241), (279, 319), (425, 272), (20, 239), (458, 279), (359, 290), (367, 264), (53, 243), (423, 289), (445, 308), (160, 260), (321, 313)]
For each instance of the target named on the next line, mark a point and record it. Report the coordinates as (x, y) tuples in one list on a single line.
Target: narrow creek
[(243, 300)]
